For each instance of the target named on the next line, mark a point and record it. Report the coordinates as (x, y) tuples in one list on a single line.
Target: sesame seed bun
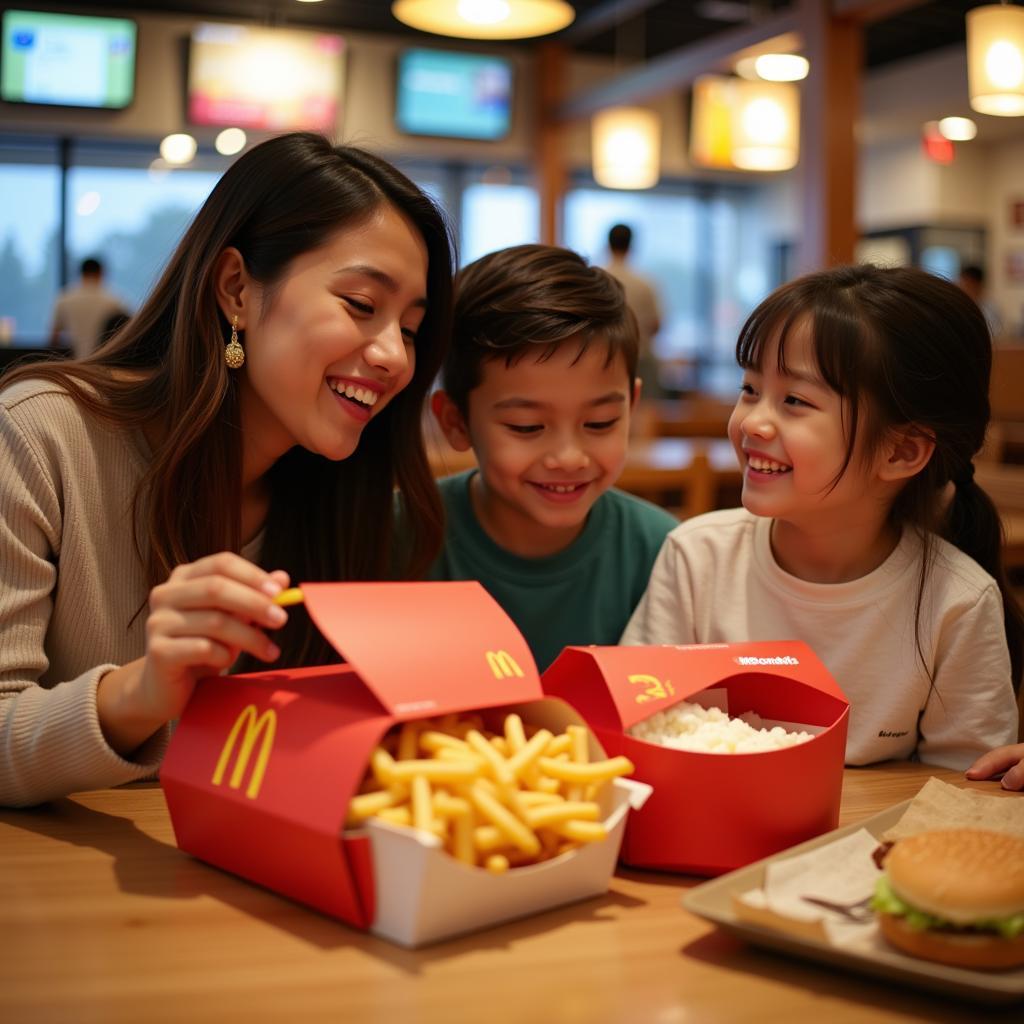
[(962, 875), (981, 951)]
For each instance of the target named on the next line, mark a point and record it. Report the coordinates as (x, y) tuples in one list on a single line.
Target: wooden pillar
[(551, 171), (830, 105)]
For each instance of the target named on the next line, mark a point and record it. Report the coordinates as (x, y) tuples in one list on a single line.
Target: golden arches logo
[(503, 665), (252, 726), (655, 688)]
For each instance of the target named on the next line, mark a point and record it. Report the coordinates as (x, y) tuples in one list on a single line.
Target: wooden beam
[(830, 104), (677, 69), (551, 170), (608, 15)]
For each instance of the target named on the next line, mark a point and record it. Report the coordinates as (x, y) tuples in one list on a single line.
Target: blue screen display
[(67, 60), (457, 95)]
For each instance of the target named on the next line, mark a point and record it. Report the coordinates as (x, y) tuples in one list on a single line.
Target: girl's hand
[(205, 615), (1003, 759)]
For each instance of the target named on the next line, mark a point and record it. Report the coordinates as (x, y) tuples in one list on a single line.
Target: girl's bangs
[(837, 334)]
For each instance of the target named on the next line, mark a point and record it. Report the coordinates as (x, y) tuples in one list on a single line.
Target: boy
[(539, 381)]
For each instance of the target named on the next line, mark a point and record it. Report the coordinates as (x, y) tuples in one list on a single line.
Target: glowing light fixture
[(766, 127), (995, 59), (626, 144), (178, 149), (957, 129), (782, 67), (485, 19), (774, 67), (750, 126), (231, 140)]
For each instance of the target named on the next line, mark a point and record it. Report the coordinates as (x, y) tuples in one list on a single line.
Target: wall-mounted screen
[(269, 78), (458, 95), (67, 60)]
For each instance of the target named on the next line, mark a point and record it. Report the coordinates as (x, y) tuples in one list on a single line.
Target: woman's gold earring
[(234, 354)]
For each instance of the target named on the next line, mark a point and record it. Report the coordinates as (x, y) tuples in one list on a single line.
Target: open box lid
[(426, 648), (616, 687)]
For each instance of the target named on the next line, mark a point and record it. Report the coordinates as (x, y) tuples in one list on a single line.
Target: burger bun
[(983, 951), (966, 877)]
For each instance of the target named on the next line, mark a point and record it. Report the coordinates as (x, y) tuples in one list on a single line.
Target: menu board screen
[(67, 60), (265, 78), (453, 94)]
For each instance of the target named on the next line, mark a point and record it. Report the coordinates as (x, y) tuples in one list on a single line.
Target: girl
[(260, 408), (863, 533)]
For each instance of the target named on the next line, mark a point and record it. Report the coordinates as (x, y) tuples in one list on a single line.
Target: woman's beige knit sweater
[(70, 584)]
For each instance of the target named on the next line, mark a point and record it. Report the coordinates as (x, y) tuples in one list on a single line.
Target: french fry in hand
[(497, 800)]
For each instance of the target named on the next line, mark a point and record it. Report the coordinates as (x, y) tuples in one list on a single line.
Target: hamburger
[(955, 897)]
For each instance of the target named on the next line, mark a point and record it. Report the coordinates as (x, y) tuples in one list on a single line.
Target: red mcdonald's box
[(261, 767), (712, 812)]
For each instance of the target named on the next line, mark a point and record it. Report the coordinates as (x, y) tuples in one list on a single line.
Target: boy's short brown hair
[(511, 301)]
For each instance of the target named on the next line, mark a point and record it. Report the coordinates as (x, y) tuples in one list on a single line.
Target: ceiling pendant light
[(485, 19), (626, 147), (995, 59), (766, 128), (774, 67)]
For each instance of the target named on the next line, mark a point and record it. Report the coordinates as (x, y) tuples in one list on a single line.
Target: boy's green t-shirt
[(582, 595)]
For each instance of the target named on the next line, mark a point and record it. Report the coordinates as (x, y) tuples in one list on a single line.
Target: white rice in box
[(688, 726)]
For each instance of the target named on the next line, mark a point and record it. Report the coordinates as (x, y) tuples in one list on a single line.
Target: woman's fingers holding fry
[(219, 593), (217, 627), (185, 653), (232, 566)]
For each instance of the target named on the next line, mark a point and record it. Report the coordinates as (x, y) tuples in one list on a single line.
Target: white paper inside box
[(422, 894)]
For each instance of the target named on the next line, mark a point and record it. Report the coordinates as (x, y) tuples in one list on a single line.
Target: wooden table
[(102, 918)]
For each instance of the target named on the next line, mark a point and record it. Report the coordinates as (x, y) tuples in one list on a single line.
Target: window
[(131, 216), (496, 215), (699, 250), (29, 240)]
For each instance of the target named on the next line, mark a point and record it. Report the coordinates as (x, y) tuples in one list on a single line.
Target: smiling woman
[(246, 428)]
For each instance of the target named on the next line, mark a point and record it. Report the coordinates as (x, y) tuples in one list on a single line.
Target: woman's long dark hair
[(327, 520), (904, 348)]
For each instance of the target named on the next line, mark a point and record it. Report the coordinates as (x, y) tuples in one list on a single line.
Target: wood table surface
[(102, 918)]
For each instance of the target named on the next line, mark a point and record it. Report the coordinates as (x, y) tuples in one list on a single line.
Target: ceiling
[(664, 26)]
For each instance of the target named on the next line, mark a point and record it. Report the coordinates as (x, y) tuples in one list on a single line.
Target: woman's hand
[(205, 615), (1009, 760)]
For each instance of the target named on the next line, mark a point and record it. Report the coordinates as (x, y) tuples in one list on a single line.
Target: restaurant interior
[(874, 140), (858, 169)]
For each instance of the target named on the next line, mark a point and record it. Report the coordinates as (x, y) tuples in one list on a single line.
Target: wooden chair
[(684, 491), (1005, 486), (699, 416), (1006, 391)]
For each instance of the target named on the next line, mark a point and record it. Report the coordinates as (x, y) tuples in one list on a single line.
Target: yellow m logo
[(655, 688), (251, 726), (503, 665)]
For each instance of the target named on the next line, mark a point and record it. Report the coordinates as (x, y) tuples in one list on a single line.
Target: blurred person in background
[(83, 311), (642, 298), (972, 281)]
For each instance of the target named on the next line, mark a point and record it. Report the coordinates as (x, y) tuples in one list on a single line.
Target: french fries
[(497, 800)]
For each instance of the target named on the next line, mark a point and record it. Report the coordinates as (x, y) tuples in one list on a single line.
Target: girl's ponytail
[(973, 525)]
